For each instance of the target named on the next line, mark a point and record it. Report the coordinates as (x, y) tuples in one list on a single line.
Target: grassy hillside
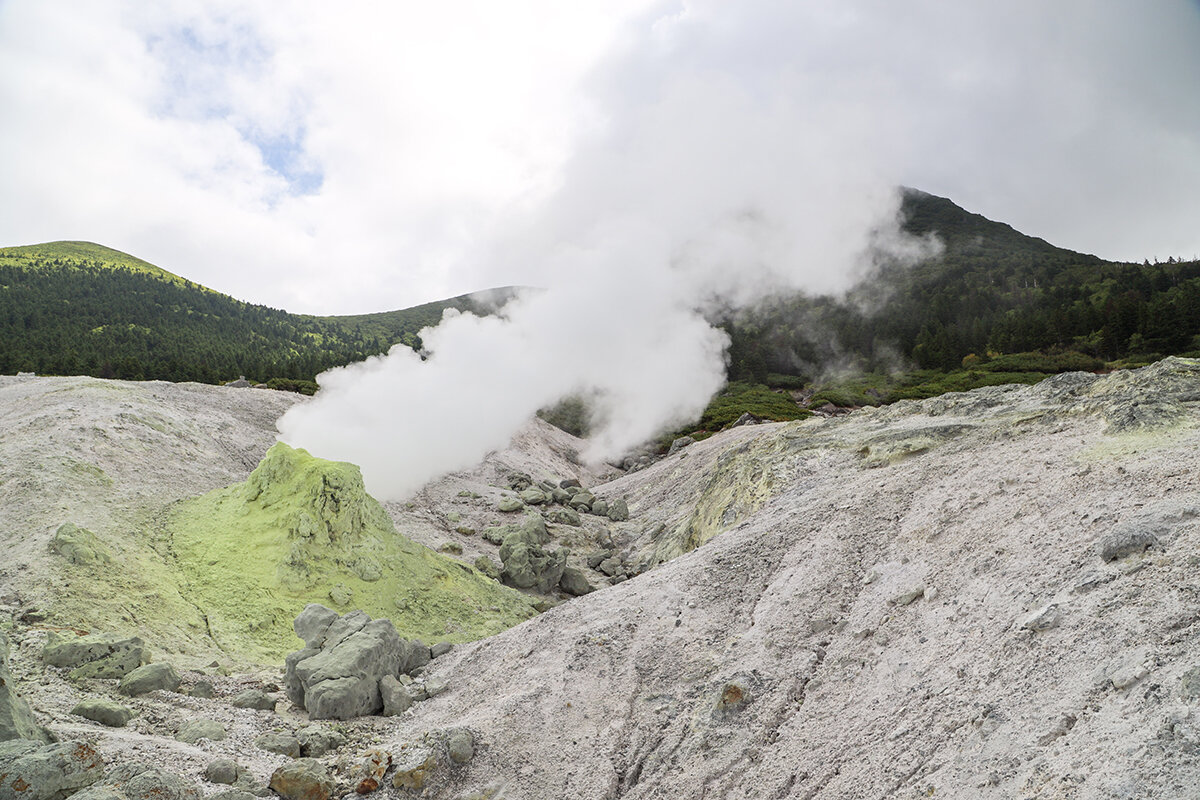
[(80, 308)]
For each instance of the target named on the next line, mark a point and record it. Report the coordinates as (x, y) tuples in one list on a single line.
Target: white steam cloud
[(702, 185)]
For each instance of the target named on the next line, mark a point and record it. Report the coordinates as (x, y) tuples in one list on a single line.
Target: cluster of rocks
[(566, 493), (353, 666)]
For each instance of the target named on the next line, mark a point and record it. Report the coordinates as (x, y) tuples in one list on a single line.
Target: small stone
[(414, 768), (910, 596), (435, 686), (149, 678), (303, 779), (460, 744), (106, 712), (570, 483), (369, 771), (396, 699), (222, 770), (465, 530), (1042, 619), (1189, 685), (341, 595), (454, 548), (285, 744), (198, 729), (254, 698)]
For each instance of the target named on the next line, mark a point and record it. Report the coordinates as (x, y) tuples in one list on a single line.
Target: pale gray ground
[(871, 619)]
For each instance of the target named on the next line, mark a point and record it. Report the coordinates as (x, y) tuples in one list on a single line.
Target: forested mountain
[(991, 291), (79, 308)]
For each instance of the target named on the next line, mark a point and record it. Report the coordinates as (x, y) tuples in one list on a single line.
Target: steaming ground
[(952, 597)]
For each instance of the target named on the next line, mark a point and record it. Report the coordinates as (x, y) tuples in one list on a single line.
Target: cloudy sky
[(353, 157)]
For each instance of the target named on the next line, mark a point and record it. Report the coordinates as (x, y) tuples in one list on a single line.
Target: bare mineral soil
[(983, 595)]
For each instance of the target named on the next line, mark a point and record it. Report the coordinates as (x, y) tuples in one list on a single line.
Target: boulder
[(285, 744), (340, 679), (440, 649), (582, 501), (155, 783), (570, 483), (106, 712), (223, 770), (253, 698), (202, 689), (99, 655), (31, 770), (79, 545), (302, 779), (560, 495), (574, 583), (527, 565), (679, 444), (618, 510), (519, 481), (563, 516), (600, 507), (533, 496), (396, 699), (16, 717), (149, 678), (317, 740), (313, 622), (510, 504), (198, 729)]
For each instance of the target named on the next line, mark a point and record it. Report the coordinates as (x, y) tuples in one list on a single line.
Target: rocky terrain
[(989, 594)]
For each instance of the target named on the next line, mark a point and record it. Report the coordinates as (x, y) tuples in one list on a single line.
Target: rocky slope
[(988, 595)]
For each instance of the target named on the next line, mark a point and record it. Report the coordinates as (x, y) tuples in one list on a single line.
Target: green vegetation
[(303, 530), (71, 308)]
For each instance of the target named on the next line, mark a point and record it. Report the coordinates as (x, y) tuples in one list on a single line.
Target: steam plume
[(705, 187)]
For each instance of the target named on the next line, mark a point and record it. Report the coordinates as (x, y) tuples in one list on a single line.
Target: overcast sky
[(354, 157)]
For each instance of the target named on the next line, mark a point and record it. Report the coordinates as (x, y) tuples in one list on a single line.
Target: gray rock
[(1125, 540), (106, 712), (197, 729), (618, 510), (1189, 684), (16, 717), (563, 516), (47, 771), (560, 495), (600, 507), (679, 444), (597, 558), (202, 689), (440, 649), (285, 744), (98, 792), (231, 794), (79, 545), (574, 583), (460, 745), (527, 565), (253, 698), (570, 483), (302, 779), (99, 655), (341, 679), (223, 770), (510, 504), (149, 678), (155, 783), (533, 496), (909, 596), (317, 740), (519, 481), (1042, 619), (582, 501), (434, 687), (496, 533), (610, 566), (396, 699)]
